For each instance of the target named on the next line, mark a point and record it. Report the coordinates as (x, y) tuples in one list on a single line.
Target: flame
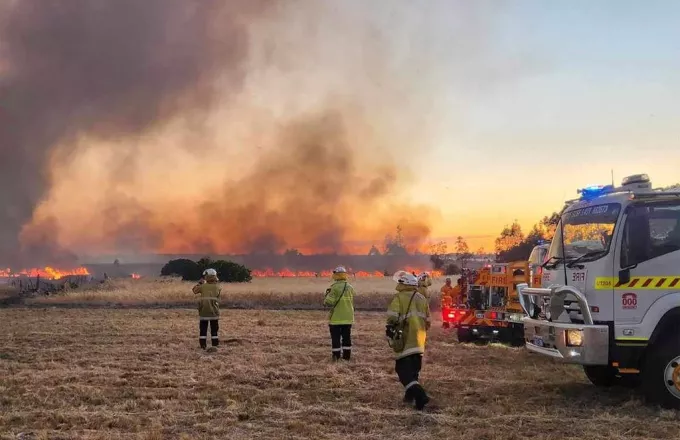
[(287, 273), (49, 273), (135, 276)]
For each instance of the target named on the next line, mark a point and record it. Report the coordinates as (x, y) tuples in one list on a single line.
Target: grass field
[(138, 374), (279, 293)]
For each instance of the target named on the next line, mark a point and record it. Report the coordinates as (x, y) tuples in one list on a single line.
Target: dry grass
[(277, 293), (138, 374)]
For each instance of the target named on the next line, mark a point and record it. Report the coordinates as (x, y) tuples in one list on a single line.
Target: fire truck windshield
[(587, 233)]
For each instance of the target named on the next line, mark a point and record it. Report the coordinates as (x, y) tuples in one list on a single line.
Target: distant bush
[(452, 269), (227, 271), (185, 268)]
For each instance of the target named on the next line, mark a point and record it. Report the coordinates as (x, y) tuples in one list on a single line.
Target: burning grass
[(138, 374), (48, 273), (276, 293)]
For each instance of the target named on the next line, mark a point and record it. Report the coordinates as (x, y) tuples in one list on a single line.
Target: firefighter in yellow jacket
[(424, 281), (340, 297), (209, 292), (408, 320)]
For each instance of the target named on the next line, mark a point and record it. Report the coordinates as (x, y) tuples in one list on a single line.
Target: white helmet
[(422, 276), (340, 269), (403, 277), (210, 272)]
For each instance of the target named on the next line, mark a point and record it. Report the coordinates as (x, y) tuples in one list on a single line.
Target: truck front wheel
[(601, 375), (661, 373)]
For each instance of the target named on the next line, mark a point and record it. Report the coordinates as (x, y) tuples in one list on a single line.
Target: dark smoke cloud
[(105, 69), (329, 105)]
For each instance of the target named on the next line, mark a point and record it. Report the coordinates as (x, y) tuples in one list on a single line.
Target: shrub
[(227, 271), (231, 272), (452, 269), (187, 269)]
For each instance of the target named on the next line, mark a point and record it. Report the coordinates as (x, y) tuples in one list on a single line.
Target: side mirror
[(624, 275)]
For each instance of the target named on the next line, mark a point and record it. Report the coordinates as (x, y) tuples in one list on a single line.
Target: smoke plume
[(209, 126), (105, 69)]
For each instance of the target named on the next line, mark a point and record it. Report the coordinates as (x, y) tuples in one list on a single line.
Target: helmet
[(210, 272), (340, 269), (403, 277), (423, 276)]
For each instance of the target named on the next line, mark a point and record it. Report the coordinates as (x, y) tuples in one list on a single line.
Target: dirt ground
[(139, 374)]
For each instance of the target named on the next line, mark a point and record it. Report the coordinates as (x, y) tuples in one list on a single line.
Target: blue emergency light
[(592, 191)]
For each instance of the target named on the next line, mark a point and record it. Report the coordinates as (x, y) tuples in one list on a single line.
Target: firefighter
[(340, 297), (209, 292), (448, 293), (408, 320), (424, 281)]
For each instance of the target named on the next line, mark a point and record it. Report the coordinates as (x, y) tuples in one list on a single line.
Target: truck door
[(648, 263)]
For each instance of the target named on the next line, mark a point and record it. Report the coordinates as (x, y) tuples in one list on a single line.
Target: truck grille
[(574, 310), (570, 305)]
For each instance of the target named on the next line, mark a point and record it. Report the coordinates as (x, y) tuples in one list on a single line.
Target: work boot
[(212, 349), (336, 356), (421, 397), (346, 354), (408, 397), (202, 343)]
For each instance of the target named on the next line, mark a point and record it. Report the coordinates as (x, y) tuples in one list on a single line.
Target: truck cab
[(536, 259), (610, 294)]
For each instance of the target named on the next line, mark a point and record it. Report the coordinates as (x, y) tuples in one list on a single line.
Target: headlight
[(574, 338), (516, 317)]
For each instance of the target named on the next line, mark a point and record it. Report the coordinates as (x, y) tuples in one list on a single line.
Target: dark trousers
[(408, 370), (341, 340), (203, 332)]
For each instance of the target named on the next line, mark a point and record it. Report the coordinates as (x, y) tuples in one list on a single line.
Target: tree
[(672, 187), (394, 245), (292, 253), (438, 255), (374, 251), (231, 272), (481, 251), (227, 271), (510, 237), (187, 269), (463, 251), (511, 245)]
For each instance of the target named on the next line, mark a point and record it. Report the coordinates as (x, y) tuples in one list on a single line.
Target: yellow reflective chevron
[(639, 283)]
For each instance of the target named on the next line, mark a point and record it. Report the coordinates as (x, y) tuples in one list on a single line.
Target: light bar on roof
[(593, 191)]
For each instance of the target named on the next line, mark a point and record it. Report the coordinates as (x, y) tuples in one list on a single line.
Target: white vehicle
[(610, 295)]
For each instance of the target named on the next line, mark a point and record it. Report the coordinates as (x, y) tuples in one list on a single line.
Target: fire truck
[(610, 295), (454, 312), (492, 299), (493, 310), (515, 313)]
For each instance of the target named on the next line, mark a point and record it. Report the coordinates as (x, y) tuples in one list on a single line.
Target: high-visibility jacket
[(209, 300), (448, 293), (417, 319), (423, 285), (343, 313)]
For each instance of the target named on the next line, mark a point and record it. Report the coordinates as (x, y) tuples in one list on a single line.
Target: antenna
[(612, 176)]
